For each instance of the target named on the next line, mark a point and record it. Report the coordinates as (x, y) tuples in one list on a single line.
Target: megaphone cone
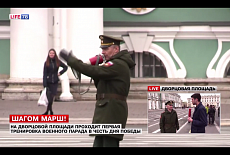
[(93, 60)]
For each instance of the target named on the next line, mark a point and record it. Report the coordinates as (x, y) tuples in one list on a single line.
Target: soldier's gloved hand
[(65, 54)]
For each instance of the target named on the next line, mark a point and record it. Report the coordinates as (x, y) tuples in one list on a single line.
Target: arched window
[(132, 70), (147, 65), (227, 71)]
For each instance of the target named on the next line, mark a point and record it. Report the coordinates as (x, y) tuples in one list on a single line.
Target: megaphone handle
[(74, 73), (84, 92), (98, 58)]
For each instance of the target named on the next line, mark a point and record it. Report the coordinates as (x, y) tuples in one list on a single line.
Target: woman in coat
[(50, 76)]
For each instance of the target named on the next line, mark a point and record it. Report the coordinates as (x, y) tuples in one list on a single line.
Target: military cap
[(169, 103), (107, 41)]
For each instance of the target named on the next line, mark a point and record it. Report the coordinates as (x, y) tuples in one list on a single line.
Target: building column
[(153, 104), (59, 38), (153, 101), (163, 105), (149, 102), (157, 104), (28, 43), (83, 30)]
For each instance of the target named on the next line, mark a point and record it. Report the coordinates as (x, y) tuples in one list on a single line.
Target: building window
[(147, 65), (227, 71), (132, 70)]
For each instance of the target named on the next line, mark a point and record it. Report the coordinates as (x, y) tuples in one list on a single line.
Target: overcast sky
[(184, 96)]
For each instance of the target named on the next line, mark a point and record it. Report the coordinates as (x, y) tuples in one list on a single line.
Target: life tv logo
[(19, 16)]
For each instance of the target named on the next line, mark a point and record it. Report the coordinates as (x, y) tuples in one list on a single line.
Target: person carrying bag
[(50, 77)]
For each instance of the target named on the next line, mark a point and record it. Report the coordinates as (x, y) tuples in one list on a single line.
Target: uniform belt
[(170, 124), (109, 96)]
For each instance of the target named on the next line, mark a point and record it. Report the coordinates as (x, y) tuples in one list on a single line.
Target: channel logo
[(19, 16)]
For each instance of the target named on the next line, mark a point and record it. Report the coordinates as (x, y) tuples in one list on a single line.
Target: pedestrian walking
[(169, 120), (214, 116), (199, 119), (207, 109), (112, 81), (211, 113), (219, 111), (50, 76)]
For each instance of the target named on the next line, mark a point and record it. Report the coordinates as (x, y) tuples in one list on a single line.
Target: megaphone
[(96, 60), (93, 60)]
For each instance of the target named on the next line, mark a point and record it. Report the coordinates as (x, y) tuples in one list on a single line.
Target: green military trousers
[(105, 141)]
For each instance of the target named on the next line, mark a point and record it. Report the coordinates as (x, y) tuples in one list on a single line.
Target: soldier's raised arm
[(108, 71)]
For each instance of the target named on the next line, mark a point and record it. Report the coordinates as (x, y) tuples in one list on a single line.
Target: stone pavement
[(79, 112)]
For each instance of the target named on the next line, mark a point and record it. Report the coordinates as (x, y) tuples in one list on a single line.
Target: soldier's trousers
[(105, 141)]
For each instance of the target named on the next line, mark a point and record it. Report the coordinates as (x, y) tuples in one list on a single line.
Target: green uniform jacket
[(169, 122), (113, 78)]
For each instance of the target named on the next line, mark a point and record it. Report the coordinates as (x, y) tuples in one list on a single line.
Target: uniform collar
[(166, 110)]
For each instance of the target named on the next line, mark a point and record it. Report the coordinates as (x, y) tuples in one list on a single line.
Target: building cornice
[(162, 24), (175, 32)]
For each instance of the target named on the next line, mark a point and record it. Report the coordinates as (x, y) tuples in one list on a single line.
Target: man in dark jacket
[(219, 111), (211, 113), (112, 81), (169, 120), (199, 119)]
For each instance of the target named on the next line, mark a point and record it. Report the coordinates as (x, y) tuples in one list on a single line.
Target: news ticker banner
[(181, 88), (59, 124)]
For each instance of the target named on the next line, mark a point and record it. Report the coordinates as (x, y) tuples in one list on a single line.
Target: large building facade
[(207, 99), (158, 100), (171, 46), (211, 100)]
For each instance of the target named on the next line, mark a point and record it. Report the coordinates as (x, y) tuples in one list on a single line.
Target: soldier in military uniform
[(169, 120), (112, 81)]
